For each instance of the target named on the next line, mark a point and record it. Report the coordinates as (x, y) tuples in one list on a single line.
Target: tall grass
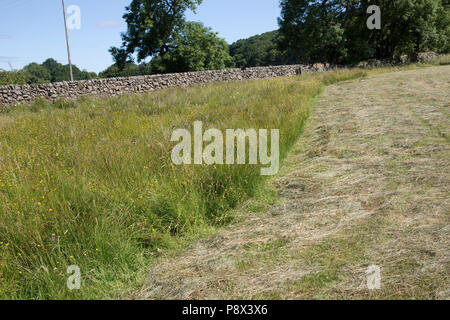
[(91, 182)]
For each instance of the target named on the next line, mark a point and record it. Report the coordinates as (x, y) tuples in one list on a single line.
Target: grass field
[(367, 183), (91, 182)]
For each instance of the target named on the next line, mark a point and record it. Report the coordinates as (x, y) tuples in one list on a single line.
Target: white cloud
[(5, 36)]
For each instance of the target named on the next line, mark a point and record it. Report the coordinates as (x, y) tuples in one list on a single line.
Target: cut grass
[(91, 182)]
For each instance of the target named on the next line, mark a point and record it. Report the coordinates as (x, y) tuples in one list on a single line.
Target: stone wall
[(18, 94)]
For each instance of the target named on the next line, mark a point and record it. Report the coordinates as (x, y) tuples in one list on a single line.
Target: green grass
[(91, 182)]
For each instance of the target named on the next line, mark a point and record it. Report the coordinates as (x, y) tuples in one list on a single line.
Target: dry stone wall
[(18, 94)]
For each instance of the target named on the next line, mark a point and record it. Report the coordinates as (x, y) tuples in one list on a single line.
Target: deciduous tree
[(152, 27)]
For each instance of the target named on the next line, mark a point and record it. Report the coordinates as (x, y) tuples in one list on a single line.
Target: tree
[(59, 72), (49, 71), (195, 48), (80, 74), (37, 73), (56, 69), (259, 50), (152, 27), (335, 30), (408, 27), (128, 70), (13, 77), (313, 30), (443, 24)]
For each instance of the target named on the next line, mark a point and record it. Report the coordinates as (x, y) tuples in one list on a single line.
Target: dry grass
[(368, 183)]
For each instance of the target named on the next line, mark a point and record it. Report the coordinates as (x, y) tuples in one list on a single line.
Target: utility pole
[(67, 40)]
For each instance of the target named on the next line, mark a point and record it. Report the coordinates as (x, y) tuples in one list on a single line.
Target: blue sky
[(33, 30)]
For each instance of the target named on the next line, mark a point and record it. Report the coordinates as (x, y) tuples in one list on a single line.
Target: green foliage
[(49, 71), (38, 73), (92, 183), (443, 25), (152, 26), (313, 30), (158, 29), (13, 77), (408, 27), (59, 72), (128, 70), (197, 48), (335, 31), (260, 50)]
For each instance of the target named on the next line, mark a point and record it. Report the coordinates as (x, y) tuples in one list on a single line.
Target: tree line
[(49, 71), (336, 31), (159, 39), (333, 31)]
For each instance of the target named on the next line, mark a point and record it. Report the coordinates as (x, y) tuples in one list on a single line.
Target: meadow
[(91, 182)]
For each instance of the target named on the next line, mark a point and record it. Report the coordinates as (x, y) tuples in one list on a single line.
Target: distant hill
[(259, 50)]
